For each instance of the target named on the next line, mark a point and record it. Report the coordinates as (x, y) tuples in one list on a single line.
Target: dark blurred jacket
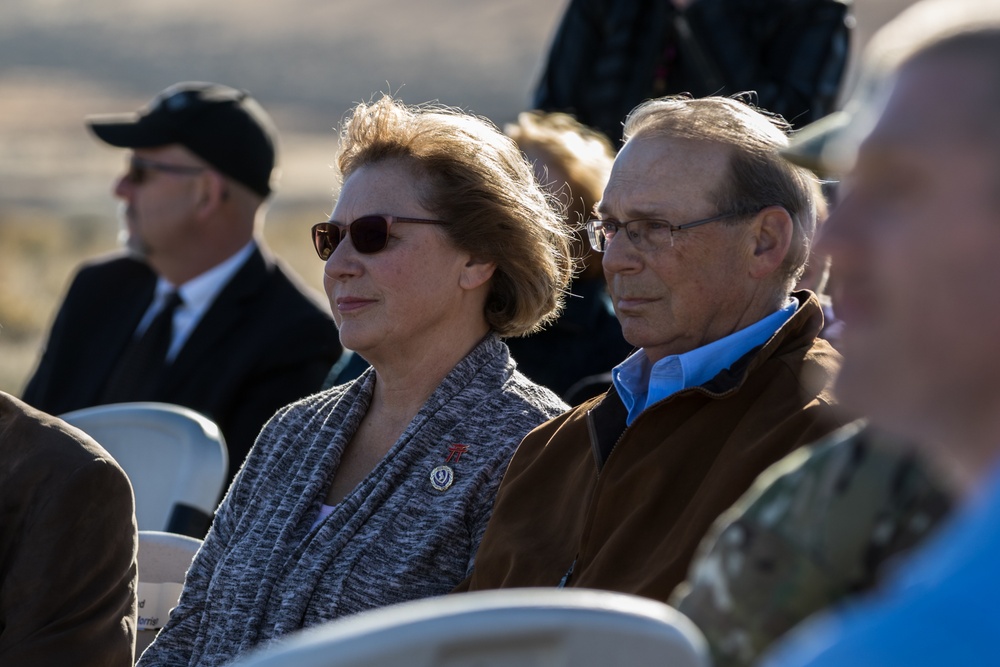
[(67, 546), (262, 344), (607, 56)]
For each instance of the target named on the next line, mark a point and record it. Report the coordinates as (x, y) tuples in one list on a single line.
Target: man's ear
[(771, 237), (212, 192), (476, 273)]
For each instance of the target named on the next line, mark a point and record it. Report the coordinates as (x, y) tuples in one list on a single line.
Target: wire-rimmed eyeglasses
[(646, 233)]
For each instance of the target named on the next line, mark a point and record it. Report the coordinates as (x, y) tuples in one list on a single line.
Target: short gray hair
[(759, 176)]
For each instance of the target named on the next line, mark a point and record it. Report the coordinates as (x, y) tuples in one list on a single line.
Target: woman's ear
[(476, 273), (771, 237)]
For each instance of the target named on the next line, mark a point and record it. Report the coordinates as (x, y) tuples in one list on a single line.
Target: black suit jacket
[(266, 341)]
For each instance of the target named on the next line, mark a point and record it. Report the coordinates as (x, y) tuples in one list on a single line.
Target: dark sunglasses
[(140, 168), (369, 233)]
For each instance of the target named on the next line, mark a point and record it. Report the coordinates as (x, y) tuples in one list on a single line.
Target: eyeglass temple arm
[(697, 223)]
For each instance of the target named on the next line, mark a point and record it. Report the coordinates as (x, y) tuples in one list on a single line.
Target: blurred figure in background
[(378, 491), (194, 311), (67, 546), (607, 56), (572, 161)]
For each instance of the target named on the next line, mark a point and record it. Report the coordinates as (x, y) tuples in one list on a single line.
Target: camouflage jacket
[(815, 527)]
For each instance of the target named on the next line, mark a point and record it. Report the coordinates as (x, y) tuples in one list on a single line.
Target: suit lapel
[(121, 315), (220, 321)]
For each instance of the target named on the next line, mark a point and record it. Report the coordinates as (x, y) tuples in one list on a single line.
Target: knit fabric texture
[(265, 570)]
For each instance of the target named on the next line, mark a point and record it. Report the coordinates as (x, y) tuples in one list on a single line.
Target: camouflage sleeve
[(815, 527)]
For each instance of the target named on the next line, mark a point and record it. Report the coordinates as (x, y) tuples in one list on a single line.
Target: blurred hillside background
[(306, 61)]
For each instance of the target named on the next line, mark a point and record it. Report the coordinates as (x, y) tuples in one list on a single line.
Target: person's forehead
[(652, 169), (662, 148), (388, 186)]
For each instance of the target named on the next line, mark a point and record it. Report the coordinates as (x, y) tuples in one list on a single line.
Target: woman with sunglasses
[(378, 491)]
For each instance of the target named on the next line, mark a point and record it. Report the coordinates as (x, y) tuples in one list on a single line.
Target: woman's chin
[(356, 340)]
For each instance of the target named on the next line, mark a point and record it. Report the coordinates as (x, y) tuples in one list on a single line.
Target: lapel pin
[(442, 477)]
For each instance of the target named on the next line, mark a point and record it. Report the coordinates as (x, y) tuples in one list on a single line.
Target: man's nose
[(621, 254), (123, 187)]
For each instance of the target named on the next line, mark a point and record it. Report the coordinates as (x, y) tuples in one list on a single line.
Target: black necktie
[(137, 375)]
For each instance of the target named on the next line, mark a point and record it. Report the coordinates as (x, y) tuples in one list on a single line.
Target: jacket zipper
[(769, 346), (595, 449)]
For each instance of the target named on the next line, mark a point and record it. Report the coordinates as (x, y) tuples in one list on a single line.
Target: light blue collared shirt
[(197, 294), (640, 385)]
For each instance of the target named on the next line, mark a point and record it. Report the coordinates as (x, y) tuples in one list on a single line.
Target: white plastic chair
[(522, 627), (163, 560), (175, 458)]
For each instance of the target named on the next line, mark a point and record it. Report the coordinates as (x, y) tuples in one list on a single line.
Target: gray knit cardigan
[(264, 570)]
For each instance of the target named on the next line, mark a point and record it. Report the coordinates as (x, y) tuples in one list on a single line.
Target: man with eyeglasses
[(195, 311), (705, 229)]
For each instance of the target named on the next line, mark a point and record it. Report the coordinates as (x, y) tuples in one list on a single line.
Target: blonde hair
[(582, 153), (479, 182)]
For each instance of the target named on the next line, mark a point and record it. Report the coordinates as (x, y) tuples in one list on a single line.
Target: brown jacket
[(625, 508), (67, 546)]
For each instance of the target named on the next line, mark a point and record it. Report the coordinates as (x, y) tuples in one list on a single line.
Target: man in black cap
[(195, 311)]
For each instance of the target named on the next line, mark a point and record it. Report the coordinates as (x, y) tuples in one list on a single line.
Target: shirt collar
[(640, 384), (197, 295), (199, 292)]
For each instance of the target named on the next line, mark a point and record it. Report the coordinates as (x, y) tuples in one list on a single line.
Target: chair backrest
[(550, 627), (175, 458), (163, 561)]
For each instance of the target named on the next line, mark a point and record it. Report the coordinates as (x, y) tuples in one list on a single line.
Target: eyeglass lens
[(369, 234), (595, 233)]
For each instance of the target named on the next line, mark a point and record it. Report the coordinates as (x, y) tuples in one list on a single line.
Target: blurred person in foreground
[(915, 241), (67, 546), (574, 162), (816, 277), (705, 229), (826, 522), (194, 311), (378, 491)]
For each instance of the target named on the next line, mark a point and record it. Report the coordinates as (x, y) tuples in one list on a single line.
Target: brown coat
[(633, 523), (67, 546)]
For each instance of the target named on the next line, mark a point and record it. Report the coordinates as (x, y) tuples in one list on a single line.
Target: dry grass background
[(306, 61)]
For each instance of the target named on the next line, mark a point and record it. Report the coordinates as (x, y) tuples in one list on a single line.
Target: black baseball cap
[(223, 126)]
